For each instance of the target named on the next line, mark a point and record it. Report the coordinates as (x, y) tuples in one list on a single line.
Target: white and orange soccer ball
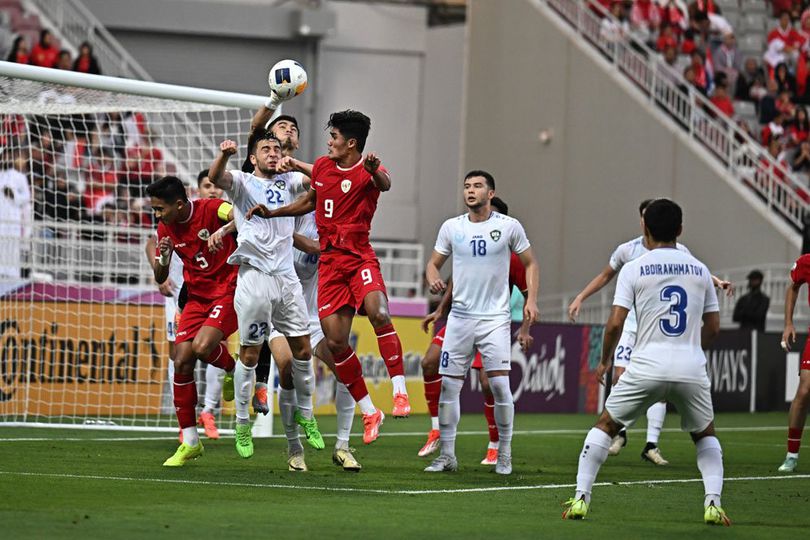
[(287, 78)]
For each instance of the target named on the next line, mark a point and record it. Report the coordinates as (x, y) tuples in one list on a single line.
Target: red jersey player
[(430, 362), (799, 274), (344, 192), (208, 316)]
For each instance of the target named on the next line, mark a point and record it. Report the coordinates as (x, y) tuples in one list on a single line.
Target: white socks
[(286, 408), (449, 413), (190, 436), (213, 387), (655, 421), (170, 369), (398, 382), (303, 374), (243, 385), (504, 412), (434, 423), (594, 453), (710, 464), (344, 404)]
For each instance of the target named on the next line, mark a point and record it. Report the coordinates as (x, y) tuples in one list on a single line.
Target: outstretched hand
[(227, 147)]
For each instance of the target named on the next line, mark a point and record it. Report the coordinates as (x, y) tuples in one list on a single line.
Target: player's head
[(265, 151), (206, 188), (348, 131), (168, 197), (479, 189), (500, 205), (643, 206), (663, 220), (285, 129)]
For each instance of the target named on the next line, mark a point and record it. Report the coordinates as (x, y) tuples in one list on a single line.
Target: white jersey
[(306, 264), (175, 273), (670, 291), (481, 254), (265, 244), (630, 251)]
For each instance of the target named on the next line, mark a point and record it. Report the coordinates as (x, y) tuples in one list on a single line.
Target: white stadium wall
[(380, 59), (578, 195)]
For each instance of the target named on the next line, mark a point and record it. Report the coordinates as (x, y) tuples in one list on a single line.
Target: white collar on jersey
[(350, 168), (190, 213)]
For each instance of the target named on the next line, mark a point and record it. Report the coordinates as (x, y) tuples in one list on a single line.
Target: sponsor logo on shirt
[(495, 235), (183, 244), (345, 186), (458, 237), (318, 183), (203, 234)]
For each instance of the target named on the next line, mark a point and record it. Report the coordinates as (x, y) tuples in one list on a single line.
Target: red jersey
[(800, 273), (345, 204), (517, 274), (207, 274)]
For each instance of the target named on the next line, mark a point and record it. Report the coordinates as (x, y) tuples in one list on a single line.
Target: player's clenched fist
[(165, 247), (285, 164), (227, 147), (371, 163)]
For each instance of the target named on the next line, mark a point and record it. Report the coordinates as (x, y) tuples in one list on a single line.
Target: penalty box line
[(385, 434), (390, 491)]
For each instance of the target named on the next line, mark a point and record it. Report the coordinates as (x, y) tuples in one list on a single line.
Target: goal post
[(82, 325)]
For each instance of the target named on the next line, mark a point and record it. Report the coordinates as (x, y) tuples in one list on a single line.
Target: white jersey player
[(268, 293), (481, 243), (678, 317), (656, 414)]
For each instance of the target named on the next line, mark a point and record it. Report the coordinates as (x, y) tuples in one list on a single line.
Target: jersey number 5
[(675, 325), (200, 259)]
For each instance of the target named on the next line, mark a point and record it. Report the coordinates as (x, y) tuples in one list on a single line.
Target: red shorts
[(344, 279), (438, 339), (805, 363), (199, 312)]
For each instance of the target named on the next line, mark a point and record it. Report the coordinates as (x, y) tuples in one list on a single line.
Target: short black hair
[(284, 117), (260, 135), (663, 218), (643, 206), (203, 174), (168, 188), (352, 125), (488, 177), (500, 205)]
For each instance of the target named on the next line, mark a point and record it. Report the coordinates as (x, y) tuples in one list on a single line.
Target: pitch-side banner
[(65, 358), (547, 378), (729, 364)]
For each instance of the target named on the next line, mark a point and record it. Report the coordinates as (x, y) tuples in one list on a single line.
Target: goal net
[(82, 326)]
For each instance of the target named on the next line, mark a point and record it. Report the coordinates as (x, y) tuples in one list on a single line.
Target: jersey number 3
[(675, 324)]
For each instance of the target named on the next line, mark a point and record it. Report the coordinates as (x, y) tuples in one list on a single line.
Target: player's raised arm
[(434, 279), (723, 285), (217, 173), (290, 164), (594, 286), (379, 176)]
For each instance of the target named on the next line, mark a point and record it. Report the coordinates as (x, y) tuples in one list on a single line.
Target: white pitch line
[(394, 434), (390, 491)]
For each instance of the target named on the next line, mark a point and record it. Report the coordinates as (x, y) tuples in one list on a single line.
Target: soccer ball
[(287, 79)]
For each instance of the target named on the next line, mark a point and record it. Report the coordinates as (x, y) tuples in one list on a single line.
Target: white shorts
[(315, 333), (265, 302), (632, 396), (463, 337), (621, 356), (170, 310)]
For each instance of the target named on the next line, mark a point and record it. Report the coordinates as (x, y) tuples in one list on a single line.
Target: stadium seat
[(753, 6), (751, 44), (752, 21)]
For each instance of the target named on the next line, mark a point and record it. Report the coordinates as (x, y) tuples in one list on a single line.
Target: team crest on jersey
[(203, 235), (280, 184), (495, 235), (345, 186)]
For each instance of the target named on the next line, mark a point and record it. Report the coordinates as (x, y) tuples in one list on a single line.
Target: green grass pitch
[(72, 484)]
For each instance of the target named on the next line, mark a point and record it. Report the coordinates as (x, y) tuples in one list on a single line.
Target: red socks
[(390, 349), (794, 440), (185, 400), (221, 358), (489, 413), (433, 389), (350, 373)]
